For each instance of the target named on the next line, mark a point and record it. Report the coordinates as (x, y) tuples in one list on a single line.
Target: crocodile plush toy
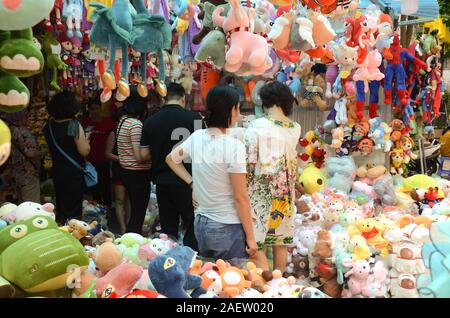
[(19, 55), (38, 257)]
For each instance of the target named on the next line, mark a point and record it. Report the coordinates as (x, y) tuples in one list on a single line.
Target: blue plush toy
[(436, 256), (170, 276), (341, 173), (151, 33), (112, 29)]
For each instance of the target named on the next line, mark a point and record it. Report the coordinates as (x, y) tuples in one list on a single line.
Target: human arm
[(135, 136), (175, 162), (110, 142), (242, 204), (145, 142), (82, 142)]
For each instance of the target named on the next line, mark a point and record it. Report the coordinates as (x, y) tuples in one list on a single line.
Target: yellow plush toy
[(5, 142), (358, 247), (421, 181), (313, 179), (372, 231)]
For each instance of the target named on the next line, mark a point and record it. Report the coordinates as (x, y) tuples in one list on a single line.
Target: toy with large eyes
[(366, 145), (5, 142), (36, 256)]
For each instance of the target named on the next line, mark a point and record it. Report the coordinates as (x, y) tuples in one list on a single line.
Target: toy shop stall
[(359, 209)]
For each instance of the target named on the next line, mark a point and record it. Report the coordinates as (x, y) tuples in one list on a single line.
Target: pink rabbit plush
[(248, 53), (359, 274)]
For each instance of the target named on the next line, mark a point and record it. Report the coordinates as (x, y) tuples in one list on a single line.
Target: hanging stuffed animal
[(112, 29), (151, 33), (57, 10), (88, 65), (19, 55), (244, 48), (368, 77), (395, 68), (385, 31), (436, 93), (73, 13), (52, 50), (77, 70)]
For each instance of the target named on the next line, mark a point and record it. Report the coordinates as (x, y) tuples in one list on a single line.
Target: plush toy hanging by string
[(112, 29), (151, 33), (57, 10), (73, 13)]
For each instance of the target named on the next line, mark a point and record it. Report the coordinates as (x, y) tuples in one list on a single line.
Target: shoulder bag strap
[(62, 151), (117, 134)]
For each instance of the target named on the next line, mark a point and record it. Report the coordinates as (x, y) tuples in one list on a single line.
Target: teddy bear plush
[(398, 128), (324, 245), (314, 92)]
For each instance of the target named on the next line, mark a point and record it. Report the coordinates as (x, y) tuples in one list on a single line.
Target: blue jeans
[(219, 241)]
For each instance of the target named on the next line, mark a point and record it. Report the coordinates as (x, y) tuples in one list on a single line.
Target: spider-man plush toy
[(396, 68)]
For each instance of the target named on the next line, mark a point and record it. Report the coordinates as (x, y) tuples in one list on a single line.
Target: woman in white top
[(223, 225), (271, 143)]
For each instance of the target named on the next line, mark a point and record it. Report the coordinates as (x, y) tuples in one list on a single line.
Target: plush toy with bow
[(245, 49), (112, 29)]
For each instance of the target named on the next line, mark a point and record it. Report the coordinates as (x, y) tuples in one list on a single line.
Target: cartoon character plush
[(73, 13), (406, 143), (150, 33), (19, 55), (28, 210), (346, 58), (37, 257), (377, 133), (397, 161), (112, 29), (169, 273), (245, 48), (156, 247), (358, 275), (368, 77), (119, 281), (396, 68), (385, 31), (52, 50), (5, 142), (208, 25)]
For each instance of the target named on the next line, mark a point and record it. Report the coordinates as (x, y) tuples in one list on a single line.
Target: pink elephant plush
[(248, 53)]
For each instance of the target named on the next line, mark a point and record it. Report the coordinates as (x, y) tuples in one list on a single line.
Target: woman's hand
[(252, 247), (194, 201)]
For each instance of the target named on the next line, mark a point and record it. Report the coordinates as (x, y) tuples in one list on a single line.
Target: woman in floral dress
[(272, 173)]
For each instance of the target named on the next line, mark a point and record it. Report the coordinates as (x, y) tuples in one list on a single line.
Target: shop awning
[(426, 10)]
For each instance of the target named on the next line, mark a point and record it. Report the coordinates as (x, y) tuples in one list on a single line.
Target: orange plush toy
[(233, 280)]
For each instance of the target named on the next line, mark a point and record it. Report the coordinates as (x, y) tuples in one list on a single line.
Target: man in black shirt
[(160, 134)]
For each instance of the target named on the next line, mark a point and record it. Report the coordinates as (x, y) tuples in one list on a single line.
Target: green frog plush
[(38, 257), (19, 54)]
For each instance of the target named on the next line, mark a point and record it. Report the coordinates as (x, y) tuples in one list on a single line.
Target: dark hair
[(135, 105), (63, 105), (219, 103), (175, 90), (277, 93), (93, 101)]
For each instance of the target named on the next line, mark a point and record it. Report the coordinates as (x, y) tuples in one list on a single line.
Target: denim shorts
[(219, 241)]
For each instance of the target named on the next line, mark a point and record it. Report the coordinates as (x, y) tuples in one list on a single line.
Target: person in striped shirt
[(135, 169)]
